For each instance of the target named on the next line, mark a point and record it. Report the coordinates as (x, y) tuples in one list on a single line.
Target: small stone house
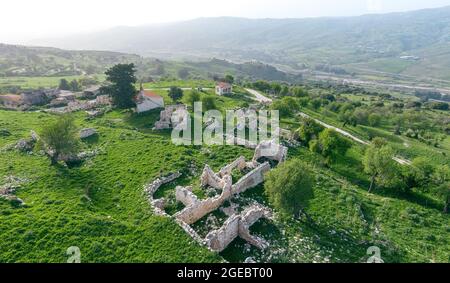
[(148, 100), (223, 88)]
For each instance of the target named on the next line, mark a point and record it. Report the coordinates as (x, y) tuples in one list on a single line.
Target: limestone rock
[(87, 132)]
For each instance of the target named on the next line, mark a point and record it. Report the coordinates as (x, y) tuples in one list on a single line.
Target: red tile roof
[(150, 93), (224, 85), (11, 97)]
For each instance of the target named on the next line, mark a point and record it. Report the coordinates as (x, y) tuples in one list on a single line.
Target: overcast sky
[(23, 20)]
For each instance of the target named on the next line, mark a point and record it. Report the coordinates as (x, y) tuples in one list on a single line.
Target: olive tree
[(289, 187), (379, 164)]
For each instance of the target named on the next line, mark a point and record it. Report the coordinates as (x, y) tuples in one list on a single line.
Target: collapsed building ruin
[(171, 116), (238, 224)]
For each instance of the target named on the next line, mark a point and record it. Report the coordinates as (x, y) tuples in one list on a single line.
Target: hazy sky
[(23, 20)]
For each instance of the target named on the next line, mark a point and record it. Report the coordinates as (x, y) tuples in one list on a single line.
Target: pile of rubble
[(76, 105), (238, 224), (171, 116), (7, 190), (27, 145)]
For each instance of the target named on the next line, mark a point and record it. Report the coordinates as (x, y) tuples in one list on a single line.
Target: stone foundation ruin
[(238, 224)]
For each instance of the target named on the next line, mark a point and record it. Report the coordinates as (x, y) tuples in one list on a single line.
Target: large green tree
[(229, 79), (332, 144), (175, 93), (286, 106), (379, 164), (64, 84), (289, 187), (60, 138), (121, 79), (308, 130), (441, 178), (208, 103)]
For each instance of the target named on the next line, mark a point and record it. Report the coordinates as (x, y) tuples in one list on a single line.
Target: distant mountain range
[(413, 44)]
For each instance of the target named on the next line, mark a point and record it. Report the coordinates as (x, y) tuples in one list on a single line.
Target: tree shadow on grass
[(143, 121), (413, 197), (351, 168), (92, 140)]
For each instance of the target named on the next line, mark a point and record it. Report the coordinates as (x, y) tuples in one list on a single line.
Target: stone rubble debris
[(8, 189), (171, 116)]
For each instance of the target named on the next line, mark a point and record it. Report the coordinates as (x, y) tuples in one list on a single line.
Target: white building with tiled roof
[(147, 100), (223, 88)]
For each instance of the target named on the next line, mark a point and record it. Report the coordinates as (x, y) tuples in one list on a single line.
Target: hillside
[(44, 61), (23, 67), (100, 207), (365, 44)]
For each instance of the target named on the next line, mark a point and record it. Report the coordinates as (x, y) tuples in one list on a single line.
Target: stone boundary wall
[(150, 189)]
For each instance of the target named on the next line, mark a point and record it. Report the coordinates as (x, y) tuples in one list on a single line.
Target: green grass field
[(37, 82)]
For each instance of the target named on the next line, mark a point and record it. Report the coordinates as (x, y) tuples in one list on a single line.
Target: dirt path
[(182, 88), (258, 96)]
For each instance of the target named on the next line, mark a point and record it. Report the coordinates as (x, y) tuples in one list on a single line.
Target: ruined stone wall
[(150, 190), (252, 179), (270, 150), (191, 232), (209, 178), (218, 240), (198, 210), (185, 196), (239, 163), (238, 225), (171, 116)]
